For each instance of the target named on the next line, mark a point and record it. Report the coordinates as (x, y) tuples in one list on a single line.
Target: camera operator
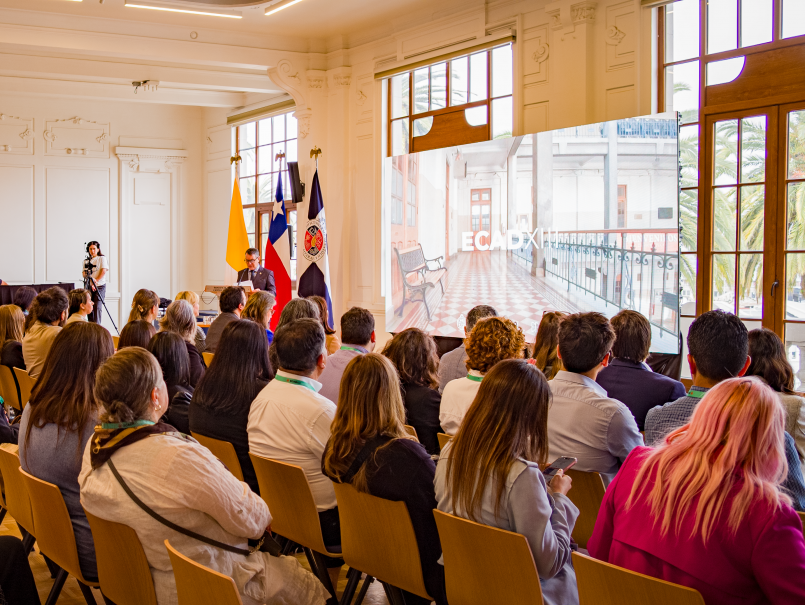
[(97, 267)]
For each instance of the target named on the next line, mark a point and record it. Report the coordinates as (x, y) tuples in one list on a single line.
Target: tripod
[(90, 281)]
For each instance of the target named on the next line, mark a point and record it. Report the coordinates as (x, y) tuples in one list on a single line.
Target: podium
[(218, 289)]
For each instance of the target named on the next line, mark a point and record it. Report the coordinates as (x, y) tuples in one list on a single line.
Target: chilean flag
[(312, 264), (278, 255)]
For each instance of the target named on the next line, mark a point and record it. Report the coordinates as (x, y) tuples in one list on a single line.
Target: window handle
[(773, 287)]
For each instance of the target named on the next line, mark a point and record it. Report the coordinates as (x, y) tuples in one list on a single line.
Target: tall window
[(258, 144), (480, 83)]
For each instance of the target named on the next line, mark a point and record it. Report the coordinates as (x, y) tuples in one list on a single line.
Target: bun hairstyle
[(144, 300), (123, 385)]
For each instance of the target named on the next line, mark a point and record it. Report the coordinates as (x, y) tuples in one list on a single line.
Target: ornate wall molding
[(614, 36), (139, 159), (565, 15), (16, 135), (316, 78), (76, 136)]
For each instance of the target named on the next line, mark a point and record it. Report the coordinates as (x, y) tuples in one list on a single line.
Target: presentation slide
[(577, 219)]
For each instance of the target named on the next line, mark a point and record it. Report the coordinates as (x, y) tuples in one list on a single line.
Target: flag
[(313, 267), (237, 241), (278, 254)]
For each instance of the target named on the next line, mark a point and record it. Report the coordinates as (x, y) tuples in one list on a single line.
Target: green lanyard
[(301, 383), (126, 425), (346, 348), (475, 378), (696, 394)]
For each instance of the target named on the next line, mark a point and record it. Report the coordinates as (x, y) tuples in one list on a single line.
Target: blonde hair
[(12, 321), (179, 319), (547, 344), (189, 296), (142, 303), (258, 307)]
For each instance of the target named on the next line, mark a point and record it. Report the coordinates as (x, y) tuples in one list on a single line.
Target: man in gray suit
[(261, 278), (454, 363), (357, 338)]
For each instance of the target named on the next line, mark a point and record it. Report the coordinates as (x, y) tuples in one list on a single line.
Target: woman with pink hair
[(705, 508)]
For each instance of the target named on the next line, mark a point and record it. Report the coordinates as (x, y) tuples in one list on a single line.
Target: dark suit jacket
[(638, 387), (422, 413), (263, 279)]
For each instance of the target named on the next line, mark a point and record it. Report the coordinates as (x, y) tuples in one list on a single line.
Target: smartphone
[(560, 463)]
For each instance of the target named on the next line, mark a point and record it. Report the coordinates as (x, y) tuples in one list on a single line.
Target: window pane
[(291, 124), (794, 305), (722, 25), (422, 126), (247, 162), (721, 72), (248, 216), (794, 345), (687, 283), (459, 81), (265, 222), (793, 18), (684, 326), (475, 116), (682, 90), (264, 131), (681, 30), (399, 96), (478, 73), (421, 90), (753, 149), (290, 151), (278, 126), (796, 145), (724, 282), (502, 71), (750, 278), (725, 209), (263, 159), (399, 137), (438, 86), (796, 216), (725, 167), (502, 117), (689, 219), (752, 216), (246, 136), (267, 188), (275, 149), (756, 22), (689, 155)]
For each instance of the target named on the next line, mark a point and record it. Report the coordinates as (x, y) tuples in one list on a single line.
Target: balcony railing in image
[(632, 128)]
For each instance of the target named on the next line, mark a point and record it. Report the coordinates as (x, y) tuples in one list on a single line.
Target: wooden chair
[(115, 341), (54, 534), (224, 451), (411, 431), (605, 584), (9, 389), (123, 569), (26, 384), (378, 539), (587, 493), (197, 584), (802, 519), (508, 575), (17, 501), (207, 358), (443, 439)]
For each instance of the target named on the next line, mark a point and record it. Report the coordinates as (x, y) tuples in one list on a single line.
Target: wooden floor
[(71, 595)]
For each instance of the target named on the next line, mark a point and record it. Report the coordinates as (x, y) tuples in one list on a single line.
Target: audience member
[(24, 298), (297, 308), (493, 476), (145, 305), (45, 321), (231, 302), (547, 342), (358, 338), (705, 508), (414, 355), (17, 585), (290, 421), (260, 308), (180, 320), (60, 418), (166, 471), (370, 449), (12, 323), (584, 423), (237, 374), (79, 305), (137, 333), (333, 343), (493, 339), (627, 378), (201, 338), (770, 362), (170, 351), (453, 364)]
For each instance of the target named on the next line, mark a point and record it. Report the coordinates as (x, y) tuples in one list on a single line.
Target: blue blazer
[(640, 389)]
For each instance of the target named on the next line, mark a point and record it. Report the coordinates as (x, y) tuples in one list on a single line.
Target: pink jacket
[(764, 562)]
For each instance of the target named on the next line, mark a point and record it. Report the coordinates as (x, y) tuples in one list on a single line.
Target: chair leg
[(107, 600), (353, 577), (28, 543), (323, 574), (2, 514), (364, 589), (311, 561), (289, 547), (87, 592), (55, 590)]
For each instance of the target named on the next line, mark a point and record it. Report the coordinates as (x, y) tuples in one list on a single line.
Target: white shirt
[(99, 262), (291, 423), (457, 398), (75, 317)]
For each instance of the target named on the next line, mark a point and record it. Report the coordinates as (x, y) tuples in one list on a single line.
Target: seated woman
[(223, 398), (60, 419), (137, 333), (260, 309), (368, 425), (81, 305), (145, 305), (166, 470), (494, 478), (180, 320), (333, 342), (492, 340), (547, 343), (12, 326), (414, 354), (24, 298), (193, 299), (171, 353), (705, 509)]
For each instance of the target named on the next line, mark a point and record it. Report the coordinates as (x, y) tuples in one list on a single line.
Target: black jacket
[(422, 413), (263, 279)]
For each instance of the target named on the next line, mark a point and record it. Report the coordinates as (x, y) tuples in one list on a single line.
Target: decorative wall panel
[(16, 135), (76, 136), (620, 36), (17, 244)]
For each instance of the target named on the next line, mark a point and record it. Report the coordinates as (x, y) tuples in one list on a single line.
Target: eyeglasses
[(252, 260)]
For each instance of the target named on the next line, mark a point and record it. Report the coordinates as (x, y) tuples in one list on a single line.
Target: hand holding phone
[(555, 475), (564, 464)]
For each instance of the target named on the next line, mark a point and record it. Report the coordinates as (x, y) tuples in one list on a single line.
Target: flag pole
[(315, 153), (280, 156)]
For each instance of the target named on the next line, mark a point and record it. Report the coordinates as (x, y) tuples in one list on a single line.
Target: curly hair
[(492, 340)]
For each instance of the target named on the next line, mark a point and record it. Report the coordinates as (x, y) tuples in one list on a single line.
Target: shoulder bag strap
[(368, 449), (173, 526)]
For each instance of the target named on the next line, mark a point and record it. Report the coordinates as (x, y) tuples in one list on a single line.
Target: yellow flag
[(237, 242)]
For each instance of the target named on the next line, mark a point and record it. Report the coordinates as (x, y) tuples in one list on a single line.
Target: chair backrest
[(443, 439), (509, 576), (18, 503), (54, 529), (605, 584), (115, 341), (207, 358), (285, 489), (587, 493), (411, 431), (123, 569), (224, 451), (198, 584), (9, 390), (26, 385), (378, 539), (802, 520)]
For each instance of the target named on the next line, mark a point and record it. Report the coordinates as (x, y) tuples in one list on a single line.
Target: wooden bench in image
[(417, 276)]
